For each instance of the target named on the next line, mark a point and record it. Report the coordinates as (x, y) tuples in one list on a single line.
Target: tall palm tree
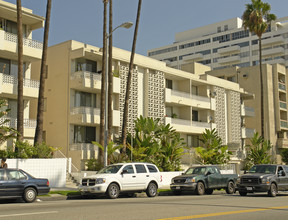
[(110, 74), (257, 19), (103, 89), (126, 102), (39, 128), (20, 101)]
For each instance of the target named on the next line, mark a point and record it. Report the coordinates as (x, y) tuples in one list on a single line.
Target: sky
[(160, 20)]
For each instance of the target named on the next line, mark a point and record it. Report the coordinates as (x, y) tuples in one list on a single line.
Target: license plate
[(249, 188), (177, 187)]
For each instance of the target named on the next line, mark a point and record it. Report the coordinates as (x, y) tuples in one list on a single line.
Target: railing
[(201, 98), (7, 79), (27, 123), (85, 110), (83, 146), (86, 75), (180, 94), (70, 166), (201, 124), (26, 42), (180, 122)]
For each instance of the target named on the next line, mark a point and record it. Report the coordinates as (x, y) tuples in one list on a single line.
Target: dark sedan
[(16, 183)]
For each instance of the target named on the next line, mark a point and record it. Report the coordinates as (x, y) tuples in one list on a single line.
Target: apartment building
[(190, 101), (8, 64), (226, 44), (275, 100)]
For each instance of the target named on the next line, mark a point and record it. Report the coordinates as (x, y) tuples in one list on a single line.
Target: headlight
[(100, 180), (190, 180), (265, 181)]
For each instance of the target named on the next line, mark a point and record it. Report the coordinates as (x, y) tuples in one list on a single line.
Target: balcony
[(194, 57), (83, 147), (89, 115), (248, 132), (282, 143), (274, 51), (9, 88), (273, 40), (32, 49), (88, 81), (29, 126), (247, 111), (227, 50), (187, 126), (229, 60)]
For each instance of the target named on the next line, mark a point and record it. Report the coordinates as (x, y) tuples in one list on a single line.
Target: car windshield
[(263, 169), (110, 169), (196, 170)]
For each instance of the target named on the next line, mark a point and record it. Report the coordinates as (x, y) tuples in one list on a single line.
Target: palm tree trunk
[(261, 88), (20, 101), (126, 102), (103, 89), (40, 110), (110, 76)]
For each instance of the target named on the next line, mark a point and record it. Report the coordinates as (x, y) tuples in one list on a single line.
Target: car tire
[(151, 190), (273, 190), (200, 188), (230, 187), (177, 192), (113, 191), (29, 195), (209, 191), (242, 193)]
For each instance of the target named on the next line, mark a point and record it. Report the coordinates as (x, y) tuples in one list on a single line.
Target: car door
[(2, 181), (14, 185), (214, 178), (128, 178), (282, 178), (142, 176)]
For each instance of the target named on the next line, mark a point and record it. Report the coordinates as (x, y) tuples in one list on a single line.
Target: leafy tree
[(258, 152), (257, 18), (284, 155), (212, 151)]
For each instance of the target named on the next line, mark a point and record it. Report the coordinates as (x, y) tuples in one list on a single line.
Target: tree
[(284, 155), (257, 19), (38, 139), (20, 100), (113, 156), (126, 102), (258, 152), (212, 152)]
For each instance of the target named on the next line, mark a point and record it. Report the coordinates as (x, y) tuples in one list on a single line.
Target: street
[(216, 206)]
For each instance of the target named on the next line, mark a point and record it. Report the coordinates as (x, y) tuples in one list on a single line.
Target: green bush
[(93, 165), (284, 155), (44, 151)]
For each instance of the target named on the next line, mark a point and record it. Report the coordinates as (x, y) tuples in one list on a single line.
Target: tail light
[(160, 178), (47, 183)]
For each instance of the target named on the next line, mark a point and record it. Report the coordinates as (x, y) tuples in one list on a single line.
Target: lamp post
[(126, 25)]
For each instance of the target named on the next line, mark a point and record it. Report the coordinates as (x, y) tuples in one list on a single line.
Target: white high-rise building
[(226, 44)]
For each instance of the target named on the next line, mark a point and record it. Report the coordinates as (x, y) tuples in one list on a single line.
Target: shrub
[(284, 155), (93, 165)]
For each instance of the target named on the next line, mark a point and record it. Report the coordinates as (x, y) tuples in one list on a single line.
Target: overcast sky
[(81, 20)]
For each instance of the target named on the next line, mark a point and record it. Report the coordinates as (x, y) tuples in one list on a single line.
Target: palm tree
[(39, 128), (110, 74), (103, 89), (257, 19), (20, 101), (126, 102)]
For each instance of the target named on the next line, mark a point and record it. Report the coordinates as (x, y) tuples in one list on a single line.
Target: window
[(218, 29), (140, 168), (85, 99), (84, 134), (168, 83), (152, 169), (169, 111), (194, 90), (5, 66), (194, 115), (1, 175), (226, 28), (192, 141), (86, 65), (129, 169)]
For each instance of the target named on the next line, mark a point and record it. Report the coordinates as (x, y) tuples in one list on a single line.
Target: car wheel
[(113, 191), (176, 192), (273, 190), (200, 189), (242, 193), (29, 195), (209, 191), (230, 187), (151, 190)]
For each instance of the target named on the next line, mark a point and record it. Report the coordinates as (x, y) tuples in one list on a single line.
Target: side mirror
[(124, 171), (208, 173), (281, 173)]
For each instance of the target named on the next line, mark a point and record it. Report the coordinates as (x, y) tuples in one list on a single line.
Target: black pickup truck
[(269, 178), (203, 179)]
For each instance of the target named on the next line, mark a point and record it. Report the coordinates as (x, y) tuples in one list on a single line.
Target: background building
[(32, 51), (225, 44), (190, 101)]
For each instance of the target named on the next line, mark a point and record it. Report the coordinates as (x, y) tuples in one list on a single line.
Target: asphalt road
[(216, 206)]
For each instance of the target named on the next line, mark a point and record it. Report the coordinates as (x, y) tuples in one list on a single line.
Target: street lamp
[(126, 25)]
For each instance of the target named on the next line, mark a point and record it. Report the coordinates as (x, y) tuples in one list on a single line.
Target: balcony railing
[(82, 146), (180, 94), (26, 42), (7, 79), (27, 123), (85, 110), (86, 75)]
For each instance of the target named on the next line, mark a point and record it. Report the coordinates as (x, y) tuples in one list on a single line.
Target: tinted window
[(111, 169), (22, 176), (152, 169), (1, 174), (13, 175), (129, 169), (140, 168)]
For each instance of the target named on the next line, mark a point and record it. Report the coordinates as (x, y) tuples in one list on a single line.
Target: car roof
[(132, 163)]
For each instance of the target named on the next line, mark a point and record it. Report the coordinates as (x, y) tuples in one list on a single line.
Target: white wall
[(52, 169)]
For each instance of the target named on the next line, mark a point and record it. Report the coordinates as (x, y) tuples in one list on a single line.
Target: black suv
[(269, 178)]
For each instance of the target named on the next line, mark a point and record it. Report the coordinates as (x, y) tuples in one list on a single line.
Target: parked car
[(16, 183), (269, 178), (123, 178), (203, 179)]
